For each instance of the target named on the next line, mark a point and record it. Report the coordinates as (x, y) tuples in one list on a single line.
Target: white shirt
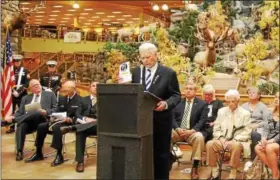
[(153, 71), (39, 98), (93, 97)]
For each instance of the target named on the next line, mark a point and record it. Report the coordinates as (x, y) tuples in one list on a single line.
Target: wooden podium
[(125, 124)]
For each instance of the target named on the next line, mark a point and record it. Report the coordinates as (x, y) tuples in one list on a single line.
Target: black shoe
[(34, 157), (11, 130), (172, 160), (5, 123), (213, 178), (194, 173), (58, 160), (19, 156), (66, 129)]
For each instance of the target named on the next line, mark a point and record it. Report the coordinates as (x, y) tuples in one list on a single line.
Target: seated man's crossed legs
[(213, 149)]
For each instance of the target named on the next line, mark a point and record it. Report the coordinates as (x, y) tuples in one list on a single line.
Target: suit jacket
[(196, 117), (69, 107), (23, 82), (48, 103), (165, 86), (242, 118), (86, 109), (212, 116)]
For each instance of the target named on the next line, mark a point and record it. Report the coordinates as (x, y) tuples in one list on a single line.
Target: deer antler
[(11, 6), (223, 35), (38, 6)]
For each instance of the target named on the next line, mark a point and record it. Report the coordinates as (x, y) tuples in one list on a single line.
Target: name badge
[(54, 77), (74, 106)]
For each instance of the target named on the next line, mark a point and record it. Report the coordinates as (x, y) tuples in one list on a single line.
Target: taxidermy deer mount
[(13, 17)]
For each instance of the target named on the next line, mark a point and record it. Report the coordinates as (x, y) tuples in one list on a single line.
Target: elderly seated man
[(231, 132)]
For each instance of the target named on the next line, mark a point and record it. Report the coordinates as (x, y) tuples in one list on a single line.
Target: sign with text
[(72, 37)]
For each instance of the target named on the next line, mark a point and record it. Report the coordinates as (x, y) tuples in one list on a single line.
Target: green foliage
[(228, 8), (268, 88), (184, 31), (269, 15)]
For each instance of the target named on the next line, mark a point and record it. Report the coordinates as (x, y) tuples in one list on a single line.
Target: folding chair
[(94, 144)]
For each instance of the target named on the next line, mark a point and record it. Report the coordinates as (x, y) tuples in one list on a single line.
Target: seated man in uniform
[(51, 80), (86, 115), (29, 121), (68, 104), (188, 123)]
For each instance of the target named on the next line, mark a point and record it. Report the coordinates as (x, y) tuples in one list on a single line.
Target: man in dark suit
[(161, 81), (68, 104), (188, 122), (86, 117), (21, 85), (28, 121)]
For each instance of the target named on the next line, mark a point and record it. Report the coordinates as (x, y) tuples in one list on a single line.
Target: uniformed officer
[(21, 84), (51, 80)]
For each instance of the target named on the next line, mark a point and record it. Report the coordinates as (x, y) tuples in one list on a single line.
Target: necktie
[(148, 78), (36, 99), (231, 125), (93, 101), (185, 124)]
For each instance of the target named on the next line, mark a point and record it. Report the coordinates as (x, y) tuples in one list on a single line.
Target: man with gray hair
[(231, 132), (161, 81), (210, 110)]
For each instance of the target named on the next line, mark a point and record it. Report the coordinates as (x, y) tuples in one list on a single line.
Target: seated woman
[(259, 113), (268, 148)]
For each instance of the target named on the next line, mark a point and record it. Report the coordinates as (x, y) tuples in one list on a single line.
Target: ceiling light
[(116, 22), (129, 22), (87, 23), (38, 19), (50, 22), (63, 21), (95, 17), (88, 9), (62, 24), (66, 18), (81, 17), (117, 12), (155, 7), (164, 7), (76, 6), (68, 14), (91, 20), (24, 3), (40, 12), (57, 6), (39, 16), (99, 23), (83, 13), (56, 11), (99, 13), (71, 10), (51, 19), (53, 15), (120, 19), (106, 20), (111, 16), (127, 15), (135, 18), (23, 8)]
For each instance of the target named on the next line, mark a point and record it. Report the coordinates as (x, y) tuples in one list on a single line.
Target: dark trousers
[(43, 130), (162, 154), (256, 137), (16, 103), (81, 142), (29, 125)]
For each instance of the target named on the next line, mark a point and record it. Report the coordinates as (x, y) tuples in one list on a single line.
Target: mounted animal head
[(13, 17)]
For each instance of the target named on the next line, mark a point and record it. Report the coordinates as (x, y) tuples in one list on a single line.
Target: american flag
[(7, 79)]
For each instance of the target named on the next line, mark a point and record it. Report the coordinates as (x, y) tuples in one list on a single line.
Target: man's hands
[(68, 120), (185, 133), (161, 106), (43, 111), (9, 119), (15, 93)]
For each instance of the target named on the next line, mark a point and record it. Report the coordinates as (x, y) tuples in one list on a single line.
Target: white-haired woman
[(259, 114), (229, 119), (268, 148), (210, 111)]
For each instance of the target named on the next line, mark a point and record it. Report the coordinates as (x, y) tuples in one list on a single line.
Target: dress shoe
[(58, 160), (4, 123), (213, 178), (65, 129), (194, 173), (34, 157), (80, 167), (11, 130), (19, 156), (172, 160)]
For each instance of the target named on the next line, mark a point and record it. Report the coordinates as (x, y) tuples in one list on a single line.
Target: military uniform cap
[(52, 62), (17, 57)]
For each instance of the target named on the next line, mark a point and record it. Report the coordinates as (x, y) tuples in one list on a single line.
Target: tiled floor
[(12, 169)]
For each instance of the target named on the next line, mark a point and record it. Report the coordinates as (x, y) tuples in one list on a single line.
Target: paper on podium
[(152, 97), (124, 73), (81, 121), (32, 107)]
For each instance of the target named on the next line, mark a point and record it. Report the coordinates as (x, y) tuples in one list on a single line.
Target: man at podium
[(162, 82)]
